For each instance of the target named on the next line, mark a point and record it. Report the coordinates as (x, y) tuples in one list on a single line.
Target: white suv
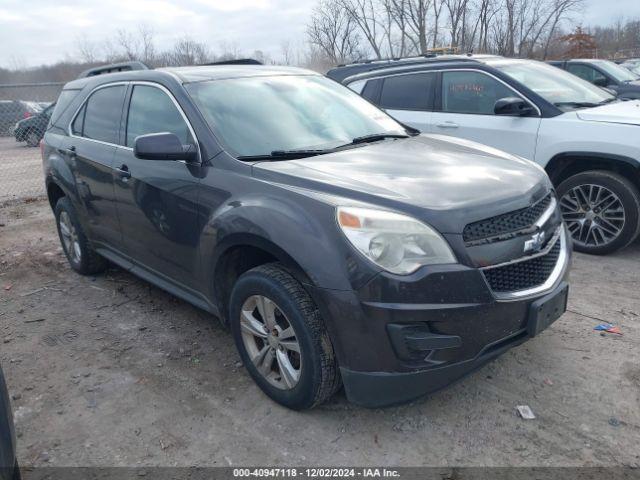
[(587, 140)]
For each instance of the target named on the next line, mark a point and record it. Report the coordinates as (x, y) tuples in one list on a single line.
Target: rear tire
[(314, 375), (601, 209), (80, 255)]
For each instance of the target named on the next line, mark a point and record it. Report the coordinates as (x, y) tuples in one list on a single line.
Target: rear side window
[(64, 99), (472, 92), (152, 111), (102, 114), (408, 92)]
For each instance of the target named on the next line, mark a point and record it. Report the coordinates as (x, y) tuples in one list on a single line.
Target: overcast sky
[(34, 32)]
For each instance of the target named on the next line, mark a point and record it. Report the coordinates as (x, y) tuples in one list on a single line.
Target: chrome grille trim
[(554, 277)]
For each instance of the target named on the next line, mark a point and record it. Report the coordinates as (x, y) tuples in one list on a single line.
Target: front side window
[(587, 73), (152, 111), (472, 92), (621, 74), (259, 115), (556, 86), (370, 90), (102, 114), (407, 92)]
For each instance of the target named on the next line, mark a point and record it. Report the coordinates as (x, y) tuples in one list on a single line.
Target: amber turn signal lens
[(348, 220)]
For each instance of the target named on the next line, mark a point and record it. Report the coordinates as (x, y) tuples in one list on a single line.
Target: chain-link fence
[(24, 114)]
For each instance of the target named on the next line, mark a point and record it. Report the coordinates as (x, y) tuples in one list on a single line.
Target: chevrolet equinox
[(341, 247)]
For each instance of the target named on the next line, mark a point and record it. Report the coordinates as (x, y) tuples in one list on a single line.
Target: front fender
[(300, 231)]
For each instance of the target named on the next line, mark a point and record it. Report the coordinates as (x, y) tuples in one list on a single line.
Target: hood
[(619, 112), (446, 181)]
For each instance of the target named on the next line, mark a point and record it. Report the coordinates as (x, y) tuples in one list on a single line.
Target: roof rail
[(113, 68), (237, 61), (342, 72), (387, 60)]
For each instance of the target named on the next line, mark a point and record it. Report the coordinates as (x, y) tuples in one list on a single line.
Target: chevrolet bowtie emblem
[(535, 243)]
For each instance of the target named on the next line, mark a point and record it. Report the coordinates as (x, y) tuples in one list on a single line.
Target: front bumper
[(398, 338)]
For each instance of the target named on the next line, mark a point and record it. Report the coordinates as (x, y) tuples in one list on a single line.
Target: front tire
[(281, 338), (33, 138), (80, 255), (601, 210)]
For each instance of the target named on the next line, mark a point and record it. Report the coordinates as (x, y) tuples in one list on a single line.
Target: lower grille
[(523, 275)]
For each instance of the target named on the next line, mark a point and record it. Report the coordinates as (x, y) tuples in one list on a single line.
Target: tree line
[(341, 31), (345, 30)]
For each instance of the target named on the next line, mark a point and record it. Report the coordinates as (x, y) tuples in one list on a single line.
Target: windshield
[(258, 115), (621, 74), (554, 85)]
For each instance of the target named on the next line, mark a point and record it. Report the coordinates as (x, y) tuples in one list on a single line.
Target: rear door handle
[(123, 172), (71, 151), (447, 125)]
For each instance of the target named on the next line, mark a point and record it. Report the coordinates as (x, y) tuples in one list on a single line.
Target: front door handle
[(447, 125), (123, 172)]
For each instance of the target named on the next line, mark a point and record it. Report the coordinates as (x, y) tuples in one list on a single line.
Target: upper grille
[(523, 275), (506, 223)]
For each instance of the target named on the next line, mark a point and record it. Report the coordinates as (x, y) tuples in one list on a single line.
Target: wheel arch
[(567, 164), (241, 252), (54, 193)]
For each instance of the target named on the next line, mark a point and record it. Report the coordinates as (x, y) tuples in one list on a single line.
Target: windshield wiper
[(374, 137), (576, 104), (293, 154), (285, 154)]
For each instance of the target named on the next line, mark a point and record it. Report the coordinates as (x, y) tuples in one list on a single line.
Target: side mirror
[(163, 146), (512, 106)]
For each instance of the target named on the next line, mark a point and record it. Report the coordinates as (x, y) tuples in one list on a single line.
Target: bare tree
[(457, 11), (366, 15), (417, 13), (332, 30), (187, 51), (437, 10), (287, 53), (88, 50), (147, 47)]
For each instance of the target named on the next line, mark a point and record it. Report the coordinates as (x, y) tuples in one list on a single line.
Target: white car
[(587, 140)]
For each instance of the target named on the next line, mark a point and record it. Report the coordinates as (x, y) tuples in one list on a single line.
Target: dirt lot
[(111, 371)]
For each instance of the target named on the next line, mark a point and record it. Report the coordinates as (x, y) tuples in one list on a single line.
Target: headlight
[(397, 243)]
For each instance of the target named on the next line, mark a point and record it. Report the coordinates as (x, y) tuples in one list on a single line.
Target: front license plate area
[(546, 310)]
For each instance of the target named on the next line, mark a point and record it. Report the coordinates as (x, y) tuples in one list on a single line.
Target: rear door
[(90, 150), (409, 98), (465, 109), (157, 199)]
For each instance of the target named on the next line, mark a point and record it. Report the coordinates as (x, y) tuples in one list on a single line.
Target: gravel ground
[(20, 170), (111, 371)]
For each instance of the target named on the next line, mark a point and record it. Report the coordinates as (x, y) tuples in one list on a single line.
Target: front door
[(157, 199), (466, 110)]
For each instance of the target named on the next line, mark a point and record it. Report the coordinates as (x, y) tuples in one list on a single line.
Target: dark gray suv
[(339, 246)]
